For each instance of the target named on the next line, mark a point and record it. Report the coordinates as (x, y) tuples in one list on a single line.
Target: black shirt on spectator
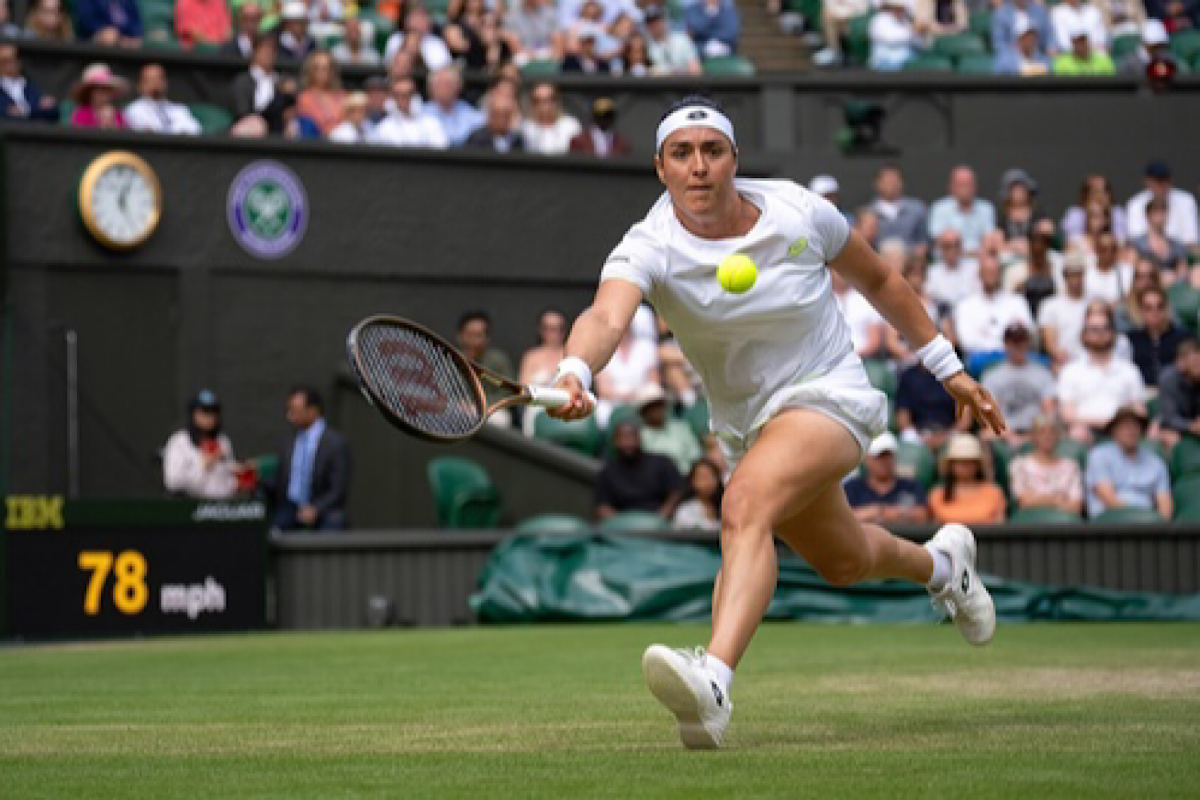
[(904, 493), (1178, 400), (640, 484), (922, 396), (1151, 355)]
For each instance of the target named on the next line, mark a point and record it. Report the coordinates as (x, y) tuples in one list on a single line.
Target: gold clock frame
[(87, 186)]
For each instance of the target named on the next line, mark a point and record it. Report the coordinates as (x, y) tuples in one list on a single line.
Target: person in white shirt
[(1092, 387), (893, 37), (867, 327), (405, 125), (1060, 317), (1183, 221), (789, 398), (980, 320), (954, 277), (198, 460), (547, 130), (153, 112), (1069, 16), (353, 50), (354, 128), (418, 37), (1107, 278)]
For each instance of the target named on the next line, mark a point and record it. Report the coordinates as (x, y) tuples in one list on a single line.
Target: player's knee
[(741, 512), (845, 570)]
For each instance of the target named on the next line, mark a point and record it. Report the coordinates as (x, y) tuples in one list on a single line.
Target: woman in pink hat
[(95, 98)]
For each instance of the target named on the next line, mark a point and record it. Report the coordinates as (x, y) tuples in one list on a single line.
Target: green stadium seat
[(582, 436), (858, 47), (212, 119), (1185, 459), (697, 417), (1185, 304), (1130, 516), (553, 523), (542, 66), (1185, 45), (1124, 45), (914, 461), (728, 66), (929, 63), (65, 109), (1186, 494), (958, 45), (618, 415), (382, 26), (976, 65), (627, 522), (266, 467), (980, 24), (463, 494), (881, 375), (1043, 515)]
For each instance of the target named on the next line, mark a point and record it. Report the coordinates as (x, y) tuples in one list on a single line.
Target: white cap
[(823, 184), (293, 9), (650, 393), (1077, 30), (1022, 25), (883, 443), (1154, 33)]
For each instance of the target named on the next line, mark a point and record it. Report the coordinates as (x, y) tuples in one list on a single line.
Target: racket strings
[(420, 381)]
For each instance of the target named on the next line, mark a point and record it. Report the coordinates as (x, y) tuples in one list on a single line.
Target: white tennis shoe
[(964, 599), (681, 681)]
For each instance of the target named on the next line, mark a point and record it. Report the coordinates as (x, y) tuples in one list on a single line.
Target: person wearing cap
[(1092, 387), (203, 22), (109, 22), (963, 210), (1018, 210), (21, 98), (1183, 220), (1155, 46), (354, 128), (893, 36), (1072, 18), (1121, 473), (663, 433), (1026, 58), (1011, 20), (633, 480), (967, 493), (788, 396), (1060, 316), (153, 112), (241, 44), (295, 43), (198, 460), (1043, 479), (1023, 387), (980, 319), (671, 52), (354, 49), (879, 494), (1083, 58), (714, 26), (601, 138), (95, 95), (827, 186)]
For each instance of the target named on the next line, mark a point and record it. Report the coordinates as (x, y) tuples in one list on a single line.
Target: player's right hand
[(579, 407)]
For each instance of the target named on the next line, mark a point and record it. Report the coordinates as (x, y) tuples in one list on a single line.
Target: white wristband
[(939, 358), (574, 365)]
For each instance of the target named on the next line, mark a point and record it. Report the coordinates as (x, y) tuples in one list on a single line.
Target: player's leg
[(716, 598)]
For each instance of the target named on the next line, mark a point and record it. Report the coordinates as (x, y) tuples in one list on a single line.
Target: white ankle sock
[(719, 669), (941, 569)]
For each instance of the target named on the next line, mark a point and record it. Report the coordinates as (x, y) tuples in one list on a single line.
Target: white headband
[(694, 117)]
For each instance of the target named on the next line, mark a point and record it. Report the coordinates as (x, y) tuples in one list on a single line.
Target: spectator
[(1083, 58), (354, 128), (1043, 479), (894, 39), (662, 433), (866, 325), (702, 509), (419, 39), (1108, 280), (1169, 256), (547, 130), (1122, 17), (835, 25), (1156, 343), (377, 99), (534, 23), (353, 50), (476, 40), (981, 319), (95, 96), (953, 278), (1154, 47), (1038, 276), (7, 29), (936, 18), (634, 480), (46, 20), (539, 363), (1022, 388), (601, 138), (1092, 387), (633, 366), (405, 125), (588, 58), (714, 26), (968, 494), (879, 495), (153, 112), (1183, 223), (1121, 473), (321, 95), (1012, 19), (1070, 18), (1060, 317), (198, 461), (635, 57), (866, 223), (1095, 189), (900, 217), (241, 44), (671, 52), (1176, 15), (827, 187), (20, 98), (458, 118), (1018, 206), (1027, 59), (202, 22), (325, 18), (475, 341), (925, 412), (314, 469), (1128, 312), (1179, 392), (961, 210), (899, 350), (109, 22), (501, 132), (295, 43), (260, 96)]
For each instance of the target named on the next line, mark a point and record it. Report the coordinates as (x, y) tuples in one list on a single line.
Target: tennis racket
[(426, 387)]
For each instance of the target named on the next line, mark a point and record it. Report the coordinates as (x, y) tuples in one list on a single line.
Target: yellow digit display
[(130, 592)]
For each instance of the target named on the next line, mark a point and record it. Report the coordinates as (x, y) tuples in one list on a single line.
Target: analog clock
[(120, 200)]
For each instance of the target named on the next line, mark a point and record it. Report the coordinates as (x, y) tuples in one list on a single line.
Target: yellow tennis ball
[(737, 273)]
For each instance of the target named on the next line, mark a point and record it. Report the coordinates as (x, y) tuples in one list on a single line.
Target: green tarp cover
[(556, 578)]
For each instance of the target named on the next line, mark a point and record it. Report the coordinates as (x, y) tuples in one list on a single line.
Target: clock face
[(124, 204)]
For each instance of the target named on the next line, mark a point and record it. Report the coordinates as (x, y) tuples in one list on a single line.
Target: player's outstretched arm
[(594, 338)]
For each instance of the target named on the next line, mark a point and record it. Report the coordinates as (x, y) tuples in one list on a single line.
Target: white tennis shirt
[(784, 331)]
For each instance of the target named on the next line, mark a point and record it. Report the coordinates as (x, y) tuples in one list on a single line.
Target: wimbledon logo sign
[(267, 209)]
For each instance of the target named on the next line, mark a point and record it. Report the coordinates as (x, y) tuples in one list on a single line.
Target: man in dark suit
[(20, 98), (601, 138), (241, 45), (314, 469), (499, 133)]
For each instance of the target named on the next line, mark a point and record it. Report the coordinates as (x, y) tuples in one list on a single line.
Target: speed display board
[(75, 569)]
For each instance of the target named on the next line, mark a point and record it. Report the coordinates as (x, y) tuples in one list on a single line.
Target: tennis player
[(788, 397)]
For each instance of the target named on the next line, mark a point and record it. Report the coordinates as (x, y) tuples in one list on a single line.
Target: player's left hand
[(969, 395)]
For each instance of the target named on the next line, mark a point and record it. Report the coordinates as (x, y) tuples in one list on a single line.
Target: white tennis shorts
[(843, 394)]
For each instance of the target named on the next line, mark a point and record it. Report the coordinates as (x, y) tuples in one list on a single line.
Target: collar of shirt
[(887, 208)]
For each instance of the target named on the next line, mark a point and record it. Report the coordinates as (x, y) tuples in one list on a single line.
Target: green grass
[(1057, 711)]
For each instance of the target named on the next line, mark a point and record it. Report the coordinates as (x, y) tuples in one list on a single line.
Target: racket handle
[(546, 397)]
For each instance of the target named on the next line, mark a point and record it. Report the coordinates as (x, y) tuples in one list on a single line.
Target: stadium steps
[(765, 44)]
